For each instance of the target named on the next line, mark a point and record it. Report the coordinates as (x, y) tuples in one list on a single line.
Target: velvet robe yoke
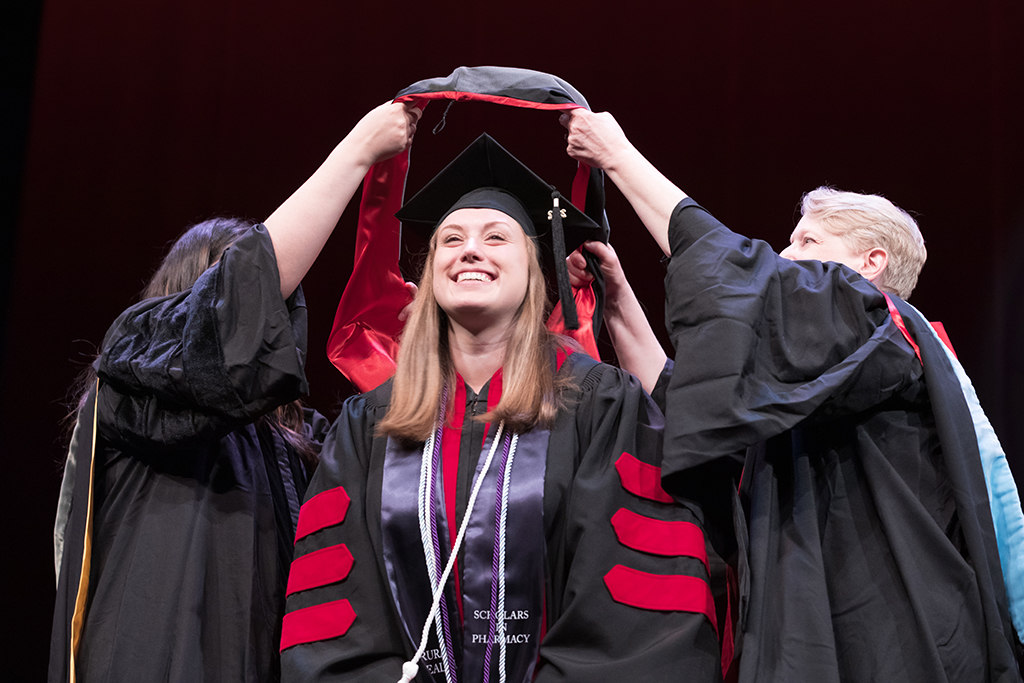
[(871, 554), (194, 498), (600, 494)]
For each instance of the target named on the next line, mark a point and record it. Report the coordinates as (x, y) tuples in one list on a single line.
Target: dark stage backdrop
[(148, 116)]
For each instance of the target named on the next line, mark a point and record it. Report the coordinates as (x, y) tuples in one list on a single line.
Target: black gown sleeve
[(660, 391), (340, 623), (629, 579), (763, 342), (198, 364)]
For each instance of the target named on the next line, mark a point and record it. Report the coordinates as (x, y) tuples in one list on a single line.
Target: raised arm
[(300, 227), (637, 348), (598, 141)]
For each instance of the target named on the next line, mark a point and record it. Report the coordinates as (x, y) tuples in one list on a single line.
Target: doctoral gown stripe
[(659, 537), (319, 568), (321, 511), (641, 479), (319, 622), (661, 592)]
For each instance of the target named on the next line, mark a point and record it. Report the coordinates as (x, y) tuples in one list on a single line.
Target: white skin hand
[(598, 141), (614, 277), (636, 345), (595, 139)]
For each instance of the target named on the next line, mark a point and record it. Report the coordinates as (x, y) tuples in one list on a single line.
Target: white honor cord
[(502, 526), (423, 504), (411, 668)]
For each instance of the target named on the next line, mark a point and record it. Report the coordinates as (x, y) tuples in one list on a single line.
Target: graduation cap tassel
[(561, 270)]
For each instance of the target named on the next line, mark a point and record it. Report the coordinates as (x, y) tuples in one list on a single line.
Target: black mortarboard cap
[(483, 176)]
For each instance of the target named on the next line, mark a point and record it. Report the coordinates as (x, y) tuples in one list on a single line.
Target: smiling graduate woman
[(493, 512)]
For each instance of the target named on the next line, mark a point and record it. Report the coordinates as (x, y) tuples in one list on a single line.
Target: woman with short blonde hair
[(867, 221)]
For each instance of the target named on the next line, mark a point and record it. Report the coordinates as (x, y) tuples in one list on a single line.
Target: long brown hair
[(531, 394), (198, 248)]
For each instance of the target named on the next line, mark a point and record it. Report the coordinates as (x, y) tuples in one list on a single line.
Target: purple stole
[(471, 649)]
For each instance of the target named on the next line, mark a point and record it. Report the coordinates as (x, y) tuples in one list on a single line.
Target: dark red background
[(146, 116)]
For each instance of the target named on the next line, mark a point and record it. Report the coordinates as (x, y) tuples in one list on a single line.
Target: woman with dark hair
[(493, 512), (190, 455)]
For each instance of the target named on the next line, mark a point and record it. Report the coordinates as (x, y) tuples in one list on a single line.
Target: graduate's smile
[(481, 266), (474, 276)]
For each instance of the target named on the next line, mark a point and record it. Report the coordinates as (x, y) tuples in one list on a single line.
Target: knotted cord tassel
[(409, 671)]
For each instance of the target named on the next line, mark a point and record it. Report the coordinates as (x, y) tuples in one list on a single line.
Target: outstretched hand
[(385, 131), (598, 141), (301, 225), (595, 139)]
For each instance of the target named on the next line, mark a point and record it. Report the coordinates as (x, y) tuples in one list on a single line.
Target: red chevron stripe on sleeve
[(641, 479), (660, 592), (319, 568), (660, 537), (319, 622), (321, 511)]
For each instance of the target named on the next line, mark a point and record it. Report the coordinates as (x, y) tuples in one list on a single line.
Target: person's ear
[(874, 263)]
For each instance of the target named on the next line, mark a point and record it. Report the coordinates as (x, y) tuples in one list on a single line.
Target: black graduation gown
[(195, 499), (344, 622), (871, 552)]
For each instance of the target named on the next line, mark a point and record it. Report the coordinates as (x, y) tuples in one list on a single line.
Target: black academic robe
[(864, 537), (194, 498), (622, 585)]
